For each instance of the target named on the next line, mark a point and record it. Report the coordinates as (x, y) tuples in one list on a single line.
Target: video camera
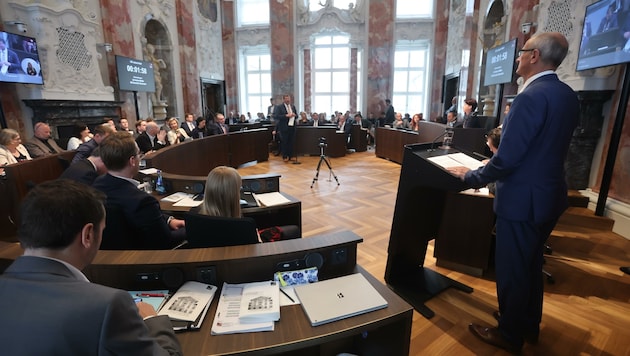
[(322, 142)]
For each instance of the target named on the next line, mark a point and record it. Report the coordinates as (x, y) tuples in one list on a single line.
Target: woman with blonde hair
[(11, 148), (175, 133), (222, 194), (222, 197)]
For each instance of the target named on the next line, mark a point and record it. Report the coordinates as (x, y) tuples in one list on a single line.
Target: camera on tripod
[(322, 142)]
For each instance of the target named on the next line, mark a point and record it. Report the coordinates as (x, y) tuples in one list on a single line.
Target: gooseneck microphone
[(446, 130)]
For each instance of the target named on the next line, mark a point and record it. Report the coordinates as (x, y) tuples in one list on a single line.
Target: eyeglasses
[(523, 50)]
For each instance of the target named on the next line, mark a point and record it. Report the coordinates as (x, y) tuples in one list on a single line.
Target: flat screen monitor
[(603, 43), (19, 59), (135, 75), (500, 63)]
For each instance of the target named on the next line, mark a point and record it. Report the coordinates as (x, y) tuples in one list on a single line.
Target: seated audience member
[(141, 126), (304, 121), (85, 149), (80, 134), (175, 133), (222, 198), (189, 124), (200, 130), (137, 223), (218, 127), (109, 121), (344, 126), (44, 292), (152, 139), (471, 118), (86, 170), (399, 122), (451, 119), (360, 121), (42, 144), (11, 150), (414, 125), (123, 125)]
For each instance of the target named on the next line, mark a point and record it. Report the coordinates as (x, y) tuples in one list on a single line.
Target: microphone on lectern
[(447, 140)]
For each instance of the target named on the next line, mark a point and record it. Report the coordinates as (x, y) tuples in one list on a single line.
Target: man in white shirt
[(285, 115)]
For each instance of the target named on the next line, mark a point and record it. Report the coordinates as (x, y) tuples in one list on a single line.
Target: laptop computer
[(338, 298)]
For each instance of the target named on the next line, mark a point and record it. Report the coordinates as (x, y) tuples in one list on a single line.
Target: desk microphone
[(446, 130)]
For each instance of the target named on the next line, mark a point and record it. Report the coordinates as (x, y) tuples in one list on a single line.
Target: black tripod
[(322, 158)]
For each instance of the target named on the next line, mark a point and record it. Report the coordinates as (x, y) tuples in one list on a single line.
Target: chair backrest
[(214, 231)]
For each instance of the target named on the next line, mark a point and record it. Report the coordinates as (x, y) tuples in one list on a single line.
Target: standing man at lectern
[(531, 192), (47, 304)]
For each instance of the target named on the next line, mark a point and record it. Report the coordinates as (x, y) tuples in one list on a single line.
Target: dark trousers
[(287, 137), (519, 278)]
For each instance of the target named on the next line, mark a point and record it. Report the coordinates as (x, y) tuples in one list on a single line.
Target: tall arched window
[(331, 73), (411, 61)]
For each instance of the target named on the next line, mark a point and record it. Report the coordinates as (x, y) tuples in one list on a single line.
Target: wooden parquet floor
[(586, 312)]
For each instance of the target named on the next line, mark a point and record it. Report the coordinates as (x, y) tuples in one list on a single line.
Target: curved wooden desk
[(233, 149), (385, 331), (391, 142)]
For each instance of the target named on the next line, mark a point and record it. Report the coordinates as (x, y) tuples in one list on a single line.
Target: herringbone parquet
[(587, 311)]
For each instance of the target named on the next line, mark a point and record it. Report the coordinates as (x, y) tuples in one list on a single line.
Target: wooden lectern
[(419, 211)]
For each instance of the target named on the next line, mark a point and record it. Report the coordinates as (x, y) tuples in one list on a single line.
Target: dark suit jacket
[(187, 129), (390, 115), (280, 115), (84, 150), (134, 218), (471, 121), (13, 58), (144, 143), (82, 171), (51, 312), (199, 133), (529, 165)]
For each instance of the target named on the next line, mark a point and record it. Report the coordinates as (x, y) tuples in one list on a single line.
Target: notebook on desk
[(338, 298)]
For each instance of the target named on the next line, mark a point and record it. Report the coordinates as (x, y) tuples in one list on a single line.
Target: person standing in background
[(285, 115)]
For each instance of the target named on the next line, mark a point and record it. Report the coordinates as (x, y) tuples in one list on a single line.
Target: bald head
[(553, 47), (41, 131), (544, 51)]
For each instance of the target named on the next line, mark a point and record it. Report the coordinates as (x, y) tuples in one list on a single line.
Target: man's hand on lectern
[(459, 171)]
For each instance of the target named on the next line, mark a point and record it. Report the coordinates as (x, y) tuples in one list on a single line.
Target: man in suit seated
[(42, 144), (152, 139), (86, 170), (189, 124), (48, 305), (218, 127), (85, 149), (137, 221)]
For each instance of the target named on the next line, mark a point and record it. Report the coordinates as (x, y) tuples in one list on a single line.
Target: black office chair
[(214, 231)]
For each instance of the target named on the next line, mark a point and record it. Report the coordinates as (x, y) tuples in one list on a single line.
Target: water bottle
[(159, 183)]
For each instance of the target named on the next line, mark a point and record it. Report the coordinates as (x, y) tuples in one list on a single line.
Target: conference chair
[(213, 231)]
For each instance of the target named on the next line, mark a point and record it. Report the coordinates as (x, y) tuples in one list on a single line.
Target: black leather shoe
[(529, 338), (625, 270), (493, 337)]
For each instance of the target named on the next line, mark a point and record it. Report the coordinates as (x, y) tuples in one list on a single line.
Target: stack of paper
[(154, 297), (188, 306), (247, 307), (456, 160), (271, 199)]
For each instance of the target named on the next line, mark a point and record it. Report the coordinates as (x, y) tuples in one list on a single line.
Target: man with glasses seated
[(134, 218)]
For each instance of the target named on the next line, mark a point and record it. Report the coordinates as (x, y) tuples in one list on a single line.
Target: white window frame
[(245, 85)]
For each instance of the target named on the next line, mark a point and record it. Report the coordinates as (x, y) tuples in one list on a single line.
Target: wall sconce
[(526, 27), (106, 46), (20, 26)]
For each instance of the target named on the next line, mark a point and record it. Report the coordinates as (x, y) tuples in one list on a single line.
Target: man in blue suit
[(531, 192), (48, 305), (285, 115)]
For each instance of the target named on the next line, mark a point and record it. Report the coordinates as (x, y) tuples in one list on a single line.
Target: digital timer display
[(500, 61), (135, 75)]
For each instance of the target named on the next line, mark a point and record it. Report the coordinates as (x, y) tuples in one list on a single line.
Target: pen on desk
[(151, 295), (286, 295)]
